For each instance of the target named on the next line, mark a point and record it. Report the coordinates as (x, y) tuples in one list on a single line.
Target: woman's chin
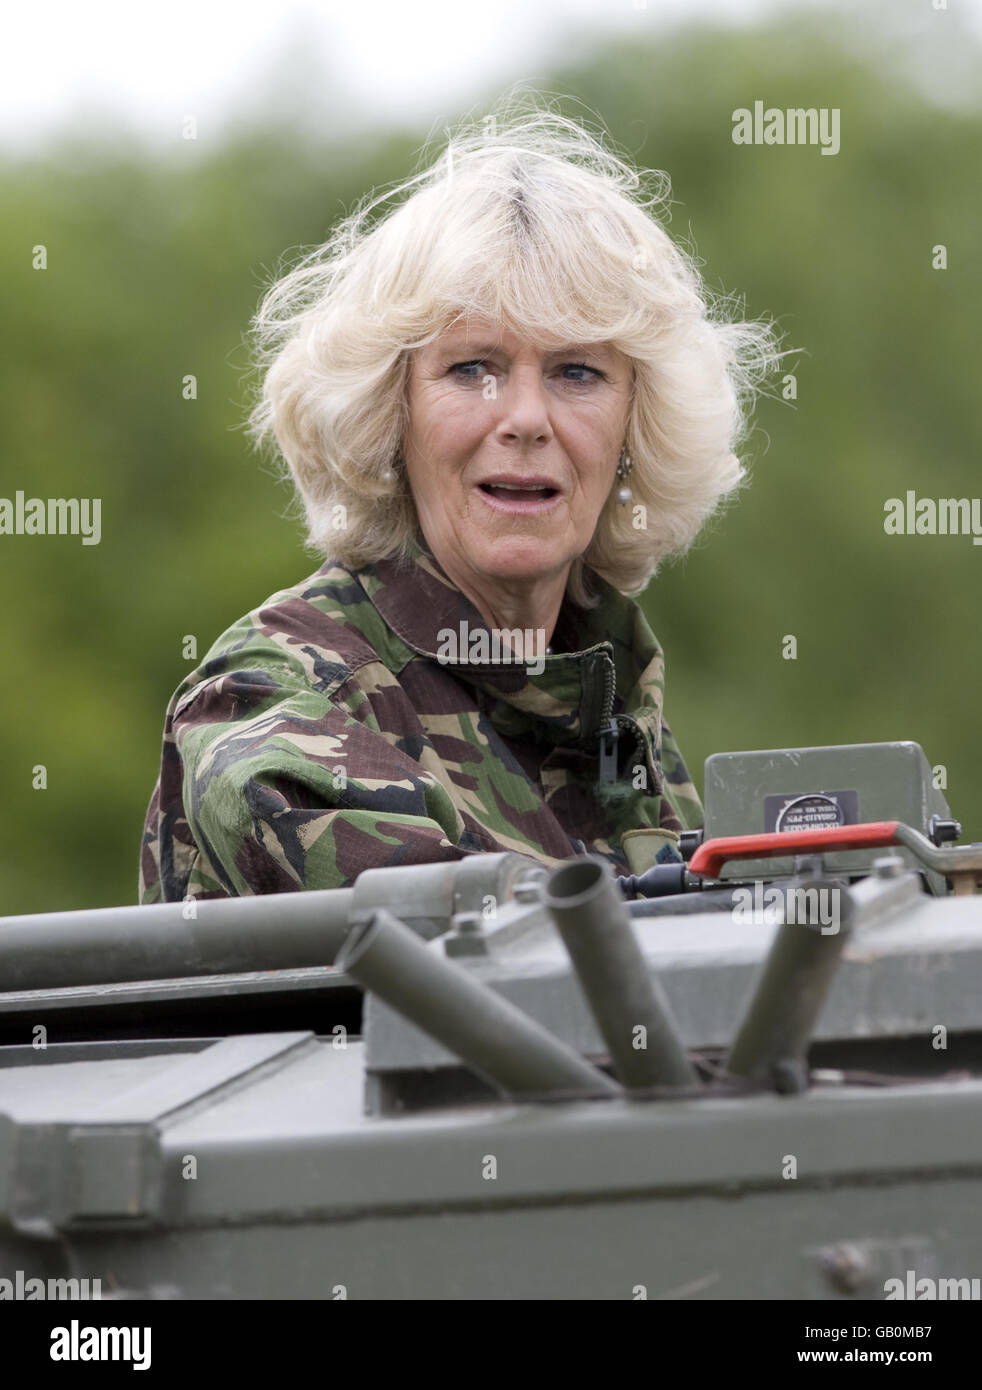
[(519, 559)]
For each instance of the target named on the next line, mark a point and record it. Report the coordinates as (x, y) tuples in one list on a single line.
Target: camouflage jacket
[(327, 732)]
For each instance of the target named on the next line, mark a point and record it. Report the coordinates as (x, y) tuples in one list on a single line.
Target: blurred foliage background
[(156, 263)]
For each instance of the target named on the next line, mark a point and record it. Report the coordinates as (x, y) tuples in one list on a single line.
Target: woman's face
[(488, 409)]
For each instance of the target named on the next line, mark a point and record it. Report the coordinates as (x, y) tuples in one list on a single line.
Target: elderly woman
[(503, 404)]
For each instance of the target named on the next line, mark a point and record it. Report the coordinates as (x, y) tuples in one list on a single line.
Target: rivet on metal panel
[(466, 936), (847, 1267)]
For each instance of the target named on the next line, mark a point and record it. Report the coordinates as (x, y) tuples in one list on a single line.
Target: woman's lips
[(518, 501)]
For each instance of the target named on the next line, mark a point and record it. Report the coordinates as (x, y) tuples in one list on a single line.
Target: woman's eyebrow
[(462, 347), (597, 349), (474, 350)]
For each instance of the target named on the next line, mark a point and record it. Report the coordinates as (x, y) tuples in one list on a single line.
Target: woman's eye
[(577, 373), (587, 373)]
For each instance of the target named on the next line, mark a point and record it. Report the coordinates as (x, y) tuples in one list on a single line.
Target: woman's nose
[(524, 406)]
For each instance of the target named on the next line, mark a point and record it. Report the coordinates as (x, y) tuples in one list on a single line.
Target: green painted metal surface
[(239, 1122)]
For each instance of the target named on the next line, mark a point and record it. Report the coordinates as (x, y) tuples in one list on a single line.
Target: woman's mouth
[(503, 497)]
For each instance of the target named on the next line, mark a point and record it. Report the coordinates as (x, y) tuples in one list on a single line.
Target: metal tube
[(623, 997), (271, 931), (779, 1018), (681, 904), (514, 1052)]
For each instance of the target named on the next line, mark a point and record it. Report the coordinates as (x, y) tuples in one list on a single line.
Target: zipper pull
[(608, 752)]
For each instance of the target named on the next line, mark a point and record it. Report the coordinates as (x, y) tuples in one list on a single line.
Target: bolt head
[(466, 922), (847, 1266)]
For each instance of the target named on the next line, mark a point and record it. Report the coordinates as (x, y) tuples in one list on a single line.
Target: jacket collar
[(610, 663)]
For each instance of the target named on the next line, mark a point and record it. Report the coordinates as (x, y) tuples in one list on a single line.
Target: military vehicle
[(751, 1074)]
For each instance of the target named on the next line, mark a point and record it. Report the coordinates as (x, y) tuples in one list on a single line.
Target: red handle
[(710, 857)]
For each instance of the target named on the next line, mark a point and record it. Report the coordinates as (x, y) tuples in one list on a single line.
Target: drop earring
[(624, 466)]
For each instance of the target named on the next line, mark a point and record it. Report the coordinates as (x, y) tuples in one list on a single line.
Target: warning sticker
[(811, 810)]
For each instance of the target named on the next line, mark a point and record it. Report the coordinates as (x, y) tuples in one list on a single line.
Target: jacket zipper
[(610, 733)]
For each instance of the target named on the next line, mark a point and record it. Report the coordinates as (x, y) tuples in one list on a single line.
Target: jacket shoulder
[(316, 635)]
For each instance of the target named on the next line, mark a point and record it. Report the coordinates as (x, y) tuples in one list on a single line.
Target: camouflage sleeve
[(288, 788), (680, 800)]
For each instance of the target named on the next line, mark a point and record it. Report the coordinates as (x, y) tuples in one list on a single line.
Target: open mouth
[(518, 494)]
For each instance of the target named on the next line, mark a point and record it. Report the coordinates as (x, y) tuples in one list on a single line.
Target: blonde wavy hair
[(529, 219)]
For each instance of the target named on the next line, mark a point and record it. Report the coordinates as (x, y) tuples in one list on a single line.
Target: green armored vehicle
[(754, 1074)]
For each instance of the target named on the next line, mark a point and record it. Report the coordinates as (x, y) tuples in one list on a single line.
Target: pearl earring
[(624, 466)]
